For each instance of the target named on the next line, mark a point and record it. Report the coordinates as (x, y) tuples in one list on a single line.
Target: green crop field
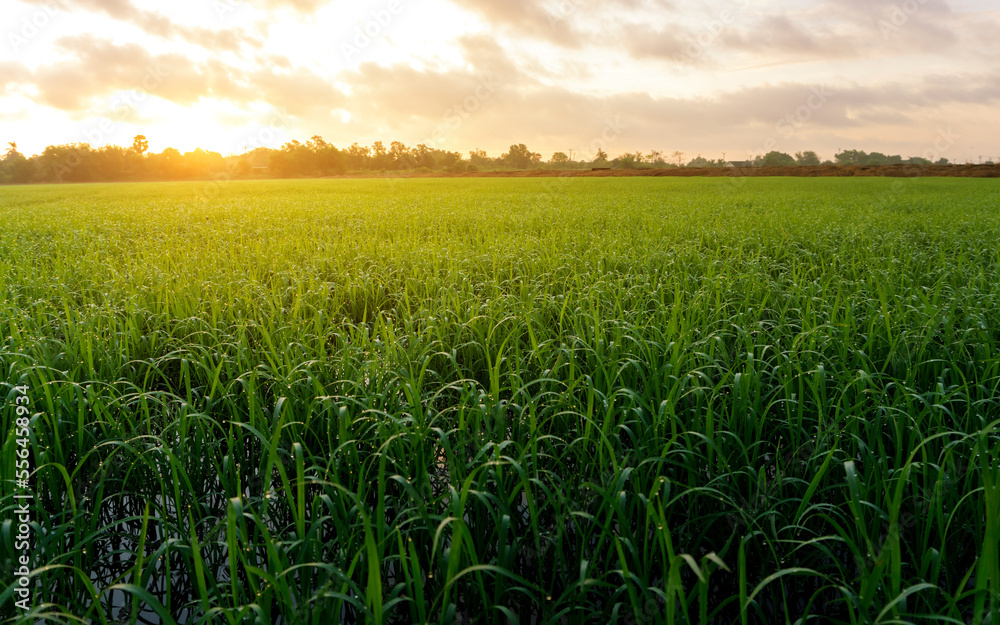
[(614, 400)]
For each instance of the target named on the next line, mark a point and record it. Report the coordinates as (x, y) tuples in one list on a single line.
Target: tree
[(775, 159), (520, 157), (80, 162), (628, 160), (877, 158), (807, 158), (700, 161), (317, 156), (358, 156), (421, 156), (316, 143), (67, 163), (200, 163), (399, 154), (380, 156), (851, 157), (447, 159), (296, 159), (478, 158), (112, 162), (15, 167)]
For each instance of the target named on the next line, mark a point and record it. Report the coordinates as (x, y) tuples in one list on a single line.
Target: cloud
[(298, 92), (527, 18), (865, 32), (644, 41), (550, 98), (486, 56), (302, 6), (401, 93), (561, 22), (411, 104), (159, 25), (12, 72), (98, 68), (738, 32)]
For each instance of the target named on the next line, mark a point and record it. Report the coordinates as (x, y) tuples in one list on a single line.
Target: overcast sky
[(741, 77)]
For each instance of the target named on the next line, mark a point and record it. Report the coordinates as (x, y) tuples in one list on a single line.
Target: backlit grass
[(453, 401)]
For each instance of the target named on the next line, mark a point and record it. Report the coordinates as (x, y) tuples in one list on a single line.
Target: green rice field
[(591, 400)]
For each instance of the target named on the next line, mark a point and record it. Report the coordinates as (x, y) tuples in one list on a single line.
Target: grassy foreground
[(451, 401)]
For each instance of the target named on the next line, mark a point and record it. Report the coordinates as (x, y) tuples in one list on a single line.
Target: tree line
[(79, 162)]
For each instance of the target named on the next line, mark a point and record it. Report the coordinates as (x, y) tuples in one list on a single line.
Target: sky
[(731, 78)]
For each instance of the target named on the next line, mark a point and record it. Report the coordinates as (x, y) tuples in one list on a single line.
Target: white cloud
[(694, 77)]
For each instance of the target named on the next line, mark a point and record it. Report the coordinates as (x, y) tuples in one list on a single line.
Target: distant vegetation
[(80, 162)]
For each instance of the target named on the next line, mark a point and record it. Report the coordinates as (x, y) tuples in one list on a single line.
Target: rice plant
[(627, 401)]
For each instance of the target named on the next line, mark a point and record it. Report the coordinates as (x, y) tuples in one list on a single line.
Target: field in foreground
[(452, 401)]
